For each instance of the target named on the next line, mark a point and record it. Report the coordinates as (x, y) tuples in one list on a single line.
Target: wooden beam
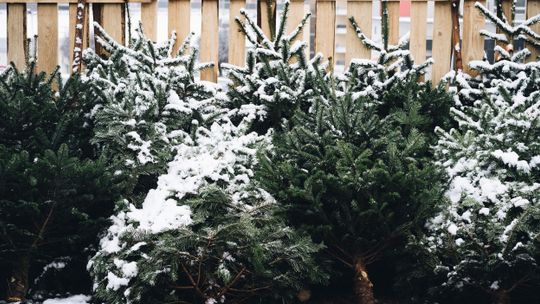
[(179, 20), (47, 41), (266, 18), (393, 22), (442, 40), (325, 29), (149, 19), (362, 13), (16, 34), (473, 43), (533, 9), (237, 40), (418, 39), (210, 38), (72, 22)]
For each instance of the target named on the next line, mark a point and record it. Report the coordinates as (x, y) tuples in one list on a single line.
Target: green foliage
[(277, 79), (55, 195)]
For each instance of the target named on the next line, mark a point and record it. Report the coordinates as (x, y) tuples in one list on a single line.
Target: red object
[(405, 8)]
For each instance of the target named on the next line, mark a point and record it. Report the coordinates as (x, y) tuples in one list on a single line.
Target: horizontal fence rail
[(111, 14)]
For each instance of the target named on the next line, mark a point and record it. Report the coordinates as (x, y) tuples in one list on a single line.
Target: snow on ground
[(77, 299)]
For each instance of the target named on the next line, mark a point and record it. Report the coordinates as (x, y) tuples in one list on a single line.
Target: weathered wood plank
[(473, 43), (179, 20), (149, 19), (325, 29), (533, 9), (113, 20), (47, 41), (16, 34), (442, 40), (393, 21), (265, 16), (237, 40), (418, 30), (210, 38), (362, 13)]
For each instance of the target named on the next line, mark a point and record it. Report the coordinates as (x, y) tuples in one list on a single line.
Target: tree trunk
[(17, 284), (363, 287), (502, 297)]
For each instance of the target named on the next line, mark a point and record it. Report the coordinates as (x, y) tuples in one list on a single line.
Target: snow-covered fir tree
[(487, 240), (355, 171), (148, 101), (277, 78)]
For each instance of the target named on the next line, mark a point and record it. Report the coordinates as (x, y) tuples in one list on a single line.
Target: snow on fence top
[(420, 16)]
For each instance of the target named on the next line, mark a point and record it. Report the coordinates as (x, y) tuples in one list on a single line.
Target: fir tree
[(355, 171), (487, 238), (148, 101), (206, 234), (278, 77), (55, 195)]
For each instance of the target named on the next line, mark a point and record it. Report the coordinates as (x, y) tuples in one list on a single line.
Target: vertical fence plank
[(442, 40), (393, 21), (16, 34), (149, 19), (47, 42), (237, 40), (210, 38), (325, 29), (296, 14), (473, 43), (533, 9), (114, 20), (72, 23), (361, 10), (266, 17), (418, 30), (179, 20)]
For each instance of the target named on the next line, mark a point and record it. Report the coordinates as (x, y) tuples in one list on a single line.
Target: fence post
[(237, 40), (149, 19), (47, 41), (266, 18), (16, 34), (533, 9), (419, 24), (179, 20), (72, 22), (362, 11), (442, 40), (325, 29), (393, 21), (473, 43), (210, 38)]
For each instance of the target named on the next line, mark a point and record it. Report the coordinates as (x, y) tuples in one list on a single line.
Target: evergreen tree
[(148, 101), (356, 172), (487, 238), (206, 234), (278, 77), (55, 194)]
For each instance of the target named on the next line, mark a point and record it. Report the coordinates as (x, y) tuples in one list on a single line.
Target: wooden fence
[(111, 14)]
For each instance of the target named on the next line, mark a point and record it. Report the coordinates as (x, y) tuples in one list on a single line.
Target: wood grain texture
[(237, 40), (442, 40), (325, 29), (149, 19), (47, 41), (533, 9), (16, 34), (113, 21), (72, 22), (266, 19), (418, 30), (473, 43), (210, 38), (179, 20), (362, 12), (393, 22)]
